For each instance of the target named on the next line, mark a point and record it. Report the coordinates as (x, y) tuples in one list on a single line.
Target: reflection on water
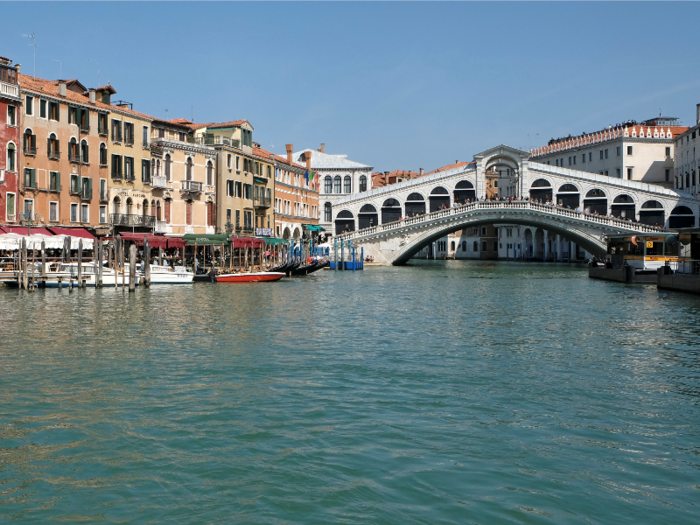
[(438, 393)]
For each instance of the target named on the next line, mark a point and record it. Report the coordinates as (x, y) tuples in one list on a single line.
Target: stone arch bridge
[(394, 222)]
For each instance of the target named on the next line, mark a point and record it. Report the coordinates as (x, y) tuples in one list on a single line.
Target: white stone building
[(338, 178), (687, 150), (627, 151)]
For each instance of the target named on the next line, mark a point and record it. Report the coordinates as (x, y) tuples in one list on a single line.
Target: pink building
[(9, 141)]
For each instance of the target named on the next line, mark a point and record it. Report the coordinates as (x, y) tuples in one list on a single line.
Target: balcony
[(192, 186), (129, 219), (55, 187), (159, 183), (84, 128), (54, 155), (161, 227), (117, 176), (261, 202), (244, 230), (9, 90), (102, 131), (209, 140), (29, 151)]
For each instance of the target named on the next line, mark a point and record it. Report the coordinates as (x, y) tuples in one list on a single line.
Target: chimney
[(290, 150), (307, 155), (421, 172), (323, 147), (697, 109), (92, 96), (18, 67), (62, 88)]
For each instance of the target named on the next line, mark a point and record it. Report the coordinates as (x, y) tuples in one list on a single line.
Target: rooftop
[(326, 161)]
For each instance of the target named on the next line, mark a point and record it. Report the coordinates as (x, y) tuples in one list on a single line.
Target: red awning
[(176, 242), (73, 232), (154, 241), (247, 242), (2, 231), (22, 230)]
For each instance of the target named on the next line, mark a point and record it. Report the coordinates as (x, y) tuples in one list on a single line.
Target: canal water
[(441, 393)]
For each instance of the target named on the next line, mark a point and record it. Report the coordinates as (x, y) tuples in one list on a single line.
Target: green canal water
[(443, 393)]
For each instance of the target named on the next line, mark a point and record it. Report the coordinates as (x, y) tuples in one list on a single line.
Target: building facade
[(686, 165), (296, 198), (61, 154), (640, 152), (9, 141), (338, 178)]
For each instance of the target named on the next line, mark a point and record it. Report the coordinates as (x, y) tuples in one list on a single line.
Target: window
[(116, 130), (574, 160), (129, 168), (569, 161), (145, 170), (483, 232), (29, 209), (246, 191), (484, 246), (54, 112), (210, 173), (228, 161), (30, 178), (84, 152), (337, 184), (29, 105), (237, 166), (239, 189), (10, 207), (590, 156), (229, 188), (188, 169), (52, 147), (54, 181), (668, 174), (601, 154), (42, 109), (74, 184), (228, 215), (606, 153), (73, 212), (11, 158), (29, 142), (11, 116), (103, 214), (73, 151), (53, 212), (144, 138), (363, 183), (629, 150), (348, 184), (617, 150), (618, 173), (103, 154), (116, 166), (181, 136), (84, 213), (168, 162), (328, 184), (583, 158), (629, 173), (238, 218), (128, 133), (668, 151)]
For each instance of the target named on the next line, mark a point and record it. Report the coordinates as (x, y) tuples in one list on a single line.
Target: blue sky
[(394, 85)]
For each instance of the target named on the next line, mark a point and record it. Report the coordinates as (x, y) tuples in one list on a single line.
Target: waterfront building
[(338, 178), (136, 183), (296, 198), (263, 190), (9, 141), (381, 179), (62, 157), (187, 187), (630, 151), (686, 152)]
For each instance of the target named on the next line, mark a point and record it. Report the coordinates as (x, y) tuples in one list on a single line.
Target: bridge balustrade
[(522, 205)]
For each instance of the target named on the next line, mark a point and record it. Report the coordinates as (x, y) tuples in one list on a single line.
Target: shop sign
[(263, 232)]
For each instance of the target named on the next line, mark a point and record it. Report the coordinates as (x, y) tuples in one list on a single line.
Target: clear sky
[(394, 85)]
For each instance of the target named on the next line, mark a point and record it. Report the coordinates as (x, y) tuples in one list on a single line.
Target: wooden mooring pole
[(146, 262), (132, 268), (80, 263), (99, 252), (25, 276)]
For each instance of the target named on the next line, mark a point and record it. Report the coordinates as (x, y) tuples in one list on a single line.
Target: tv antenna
[(34, 45), (98, 68), (60, 68)]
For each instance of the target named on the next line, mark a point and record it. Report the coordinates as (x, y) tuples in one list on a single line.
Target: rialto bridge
[(394, 222)]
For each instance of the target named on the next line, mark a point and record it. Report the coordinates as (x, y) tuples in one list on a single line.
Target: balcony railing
[(28, 150), (117, 176), (129, 219), (192, 186), (159, 182), (54, 155), (85, 128), (11, 90), (214, 141), (244, 230), (261, 202), (55, 187)]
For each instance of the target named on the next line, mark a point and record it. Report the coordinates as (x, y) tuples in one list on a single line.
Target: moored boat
[(248, 277)]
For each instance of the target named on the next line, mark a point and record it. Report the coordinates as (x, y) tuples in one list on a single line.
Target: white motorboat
[(69, 271), (168, 275)]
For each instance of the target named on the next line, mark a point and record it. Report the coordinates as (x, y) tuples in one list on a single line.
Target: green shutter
[(58, 181), (33, 177), (58, 149), (34, 141), (48, 146)]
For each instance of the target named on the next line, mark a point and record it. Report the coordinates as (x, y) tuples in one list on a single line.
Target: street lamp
[(28, 220)]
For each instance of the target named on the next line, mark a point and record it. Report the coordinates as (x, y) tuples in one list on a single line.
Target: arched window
[(11, 157), (595, 193), (337, 183), (168, 162), (73, 152), (348, 184), (29, 140), (52, 147), (158, 215), (153, 208), (363, 183), (103, 154), (327, 212), (452, 246), (210, 173), (188, 171), (145, 207), (541, 183), (476, 246), (129, 205), (116, 205), (84, 152), (328, 184)]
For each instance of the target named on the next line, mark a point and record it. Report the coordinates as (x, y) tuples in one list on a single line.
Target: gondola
[(293, 266), (280, 268), (319, 265), (304, 270)]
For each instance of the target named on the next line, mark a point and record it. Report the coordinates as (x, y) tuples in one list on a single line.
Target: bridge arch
[(569, 195), (464, 191), (541, 190), (439, 198), (596, 202), (391, 210), (652, 213), (415, 204), (344, 221), (623, 205), (367, 217), (681, 217)]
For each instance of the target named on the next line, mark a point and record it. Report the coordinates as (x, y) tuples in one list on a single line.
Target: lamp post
[(29, 221)]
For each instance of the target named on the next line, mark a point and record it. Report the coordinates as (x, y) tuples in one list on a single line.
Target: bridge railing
[(490, 205)]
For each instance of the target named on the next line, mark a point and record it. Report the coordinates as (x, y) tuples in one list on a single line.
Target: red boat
[(249, 277)]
